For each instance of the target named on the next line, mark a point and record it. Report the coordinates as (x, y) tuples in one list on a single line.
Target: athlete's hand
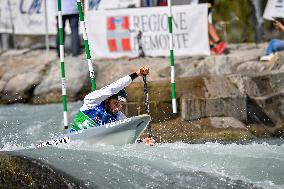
[(143, 71), (149, 141)]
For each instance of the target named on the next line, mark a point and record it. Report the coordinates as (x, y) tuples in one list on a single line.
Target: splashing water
[(170, 165)]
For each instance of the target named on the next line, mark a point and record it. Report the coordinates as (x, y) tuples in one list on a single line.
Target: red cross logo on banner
[(118, 34)]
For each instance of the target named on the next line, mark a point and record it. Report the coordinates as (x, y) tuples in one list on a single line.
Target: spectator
[(274, 45), (70, 12), (217, 45)]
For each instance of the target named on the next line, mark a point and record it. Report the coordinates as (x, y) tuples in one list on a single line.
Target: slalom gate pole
[(172, 64), (86, 44), (146, 103), (61, 53)]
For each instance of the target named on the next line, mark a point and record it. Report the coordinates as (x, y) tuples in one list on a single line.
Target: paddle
[(146, 103), (149, 140)]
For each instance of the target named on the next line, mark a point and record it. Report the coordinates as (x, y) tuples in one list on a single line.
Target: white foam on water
[(10, 146), (35, 129), (219, 160), (260, 164), (213, 158)]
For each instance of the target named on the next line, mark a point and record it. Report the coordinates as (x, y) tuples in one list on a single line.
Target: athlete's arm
[(96, 97), (100, 95)]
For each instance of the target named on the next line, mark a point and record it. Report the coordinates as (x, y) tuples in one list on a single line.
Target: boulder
[(278, 64), (262, 84), (159, 111), (200, 130), (20, 75), (226, 122), (20, 88), (2, 86), (159, 100), (243, 58), (279, 130), (272, 107), (212, 96), (265, 93), (22, 172), (77, 78)]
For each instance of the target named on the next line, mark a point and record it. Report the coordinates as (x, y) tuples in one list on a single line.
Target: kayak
[(121, 132)]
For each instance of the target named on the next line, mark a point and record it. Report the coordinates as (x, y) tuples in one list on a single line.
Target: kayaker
[(104, 105)]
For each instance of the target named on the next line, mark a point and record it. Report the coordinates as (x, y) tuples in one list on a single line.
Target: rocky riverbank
[(223, 97), (22, 172)]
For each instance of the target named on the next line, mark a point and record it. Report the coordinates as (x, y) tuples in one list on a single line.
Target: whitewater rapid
[(256, 164)]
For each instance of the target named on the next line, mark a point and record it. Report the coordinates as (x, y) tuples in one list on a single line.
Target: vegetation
[(235, 21)]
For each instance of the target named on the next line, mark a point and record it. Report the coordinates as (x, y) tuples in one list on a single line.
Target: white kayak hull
[(121, 132)]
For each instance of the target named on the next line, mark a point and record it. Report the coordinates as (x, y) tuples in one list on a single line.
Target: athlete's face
[(115, 105)]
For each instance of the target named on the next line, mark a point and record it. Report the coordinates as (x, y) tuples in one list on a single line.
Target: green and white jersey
[(93, 106)]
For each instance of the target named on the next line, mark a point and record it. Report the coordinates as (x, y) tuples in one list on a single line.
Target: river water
[(256, 164)]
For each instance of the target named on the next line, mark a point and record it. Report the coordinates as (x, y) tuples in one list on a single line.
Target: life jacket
[(99, 115), (93, 117)]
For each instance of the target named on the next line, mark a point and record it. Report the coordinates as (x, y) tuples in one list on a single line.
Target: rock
[(279, 130), (248, 66), (77, 76), (15, 52), (2, 85), (260, 130), (279, 63), (201, 130), (226, 122), (264, 83), (272, 107), (22, 172), (2, 71), (20, 87), (77, 82), (159, 111), (212, 96), (159, 100), (234, 85), (20, 75), (235, 62), (265, 96), (239, 81)]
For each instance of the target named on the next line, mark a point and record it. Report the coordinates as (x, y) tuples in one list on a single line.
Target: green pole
[(61, 53), (172, 58), (86, 44)]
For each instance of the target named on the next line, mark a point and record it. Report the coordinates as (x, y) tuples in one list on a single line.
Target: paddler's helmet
[(120, 96)]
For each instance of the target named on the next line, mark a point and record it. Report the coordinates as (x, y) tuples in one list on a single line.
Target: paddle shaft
[(146, 103)]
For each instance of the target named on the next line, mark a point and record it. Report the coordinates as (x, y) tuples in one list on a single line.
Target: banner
[(115, 4), (118, 33), (274, 8), (27, 16)]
